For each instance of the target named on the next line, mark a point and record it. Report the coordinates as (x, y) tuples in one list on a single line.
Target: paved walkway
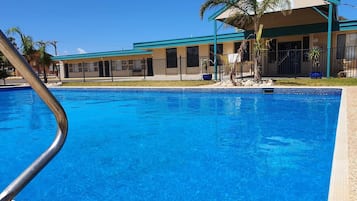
[(352, 140)]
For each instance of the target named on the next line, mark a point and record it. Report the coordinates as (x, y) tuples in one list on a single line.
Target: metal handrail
[(26, 71)]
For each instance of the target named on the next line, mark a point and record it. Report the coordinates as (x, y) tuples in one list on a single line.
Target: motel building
[(311, 24)]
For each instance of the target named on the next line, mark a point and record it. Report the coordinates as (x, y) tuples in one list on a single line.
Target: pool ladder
[(26, 71)]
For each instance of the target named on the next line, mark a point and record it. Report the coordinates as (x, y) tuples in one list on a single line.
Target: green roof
[(348, 25), (102, 54), (337, 2), (190, 41)]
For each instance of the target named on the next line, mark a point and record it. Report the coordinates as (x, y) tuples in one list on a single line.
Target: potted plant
[(206, 76), (314, 56)]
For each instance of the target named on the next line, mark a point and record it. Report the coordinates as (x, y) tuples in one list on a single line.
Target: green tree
[(44, 58), (247, 13), (3, 63), (3, 75)]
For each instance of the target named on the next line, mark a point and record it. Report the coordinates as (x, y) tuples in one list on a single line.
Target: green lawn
[(145, 83), (317, 82)]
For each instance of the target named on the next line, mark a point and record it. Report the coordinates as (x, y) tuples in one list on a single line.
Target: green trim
[(295, 30), (189, 41), (319, 12), (102, 54), (348, 25)]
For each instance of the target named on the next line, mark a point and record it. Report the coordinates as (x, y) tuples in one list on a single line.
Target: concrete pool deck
[(351, 93), (343, 184)]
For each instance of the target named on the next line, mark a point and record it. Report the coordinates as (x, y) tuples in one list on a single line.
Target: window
[(124, 64), (171, 58), (341, 46), (131, 64), (305, 47), (117, 65), (70, 68), (192, 56), (95, 66), (85, 67), (79, 67), (346, 46), (272, 51), (351, 46), (219, 52), (245, 53), (127, 64), (137, 66)]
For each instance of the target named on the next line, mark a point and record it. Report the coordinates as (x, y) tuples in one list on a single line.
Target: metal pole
[(111, 69), (180, 68), (329, 33), (18, 61), (215, 50), (144, 68), (84, 74)]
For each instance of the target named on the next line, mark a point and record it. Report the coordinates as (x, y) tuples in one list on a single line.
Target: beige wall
[(159, 61), (159, 58), (119, 73)]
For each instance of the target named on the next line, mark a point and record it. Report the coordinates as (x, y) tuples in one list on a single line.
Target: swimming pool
[(174, 144)]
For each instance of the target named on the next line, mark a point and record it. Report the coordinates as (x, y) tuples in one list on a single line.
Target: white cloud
[(81, 51)]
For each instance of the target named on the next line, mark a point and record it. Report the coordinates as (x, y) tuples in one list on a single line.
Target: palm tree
[(27, 44), (54, 44), (246, 13), (44, 58)]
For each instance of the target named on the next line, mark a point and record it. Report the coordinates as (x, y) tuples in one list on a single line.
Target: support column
[(215, 50), (61, 70), (329, 37)]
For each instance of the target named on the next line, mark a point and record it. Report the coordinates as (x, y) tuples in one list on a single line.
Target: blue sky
[(104, 25)]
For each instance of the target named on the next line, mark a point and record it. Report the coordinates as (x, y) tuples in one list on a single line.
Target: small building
[(311, 24)]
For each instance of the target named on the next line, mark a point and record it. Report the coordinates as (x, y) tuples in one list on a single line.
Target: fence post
[(84, 74), (111, 70), (329, 33), (180, 68)]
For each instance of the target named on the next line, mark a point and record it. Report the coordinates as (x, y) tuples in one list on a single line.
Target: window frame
[(171, 57), (192, 55)]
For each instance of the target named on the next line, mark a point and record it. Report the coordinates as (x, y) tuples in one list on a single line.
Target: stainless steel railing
[(26, 71)]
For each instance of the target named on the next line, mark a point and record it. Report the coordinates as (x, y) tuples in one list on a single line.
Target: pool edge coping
[(339, 181)]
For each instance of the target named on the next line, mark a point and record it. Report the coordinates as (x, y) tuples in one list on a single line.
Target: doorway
[(149, 65), (289, 58)]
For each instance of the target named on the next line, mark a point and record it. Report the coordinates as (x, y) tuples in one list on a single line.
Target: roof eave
[(101, 55), (189, 41)]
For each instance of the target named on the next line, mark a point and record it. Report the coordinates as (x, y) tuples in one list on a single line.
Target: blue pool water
[(173, 144)]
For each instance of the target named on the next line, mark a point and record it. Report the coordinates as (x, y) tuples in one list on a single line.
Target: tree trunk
[(44, 75), (233, 73), (257, 76), (256, 54)]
